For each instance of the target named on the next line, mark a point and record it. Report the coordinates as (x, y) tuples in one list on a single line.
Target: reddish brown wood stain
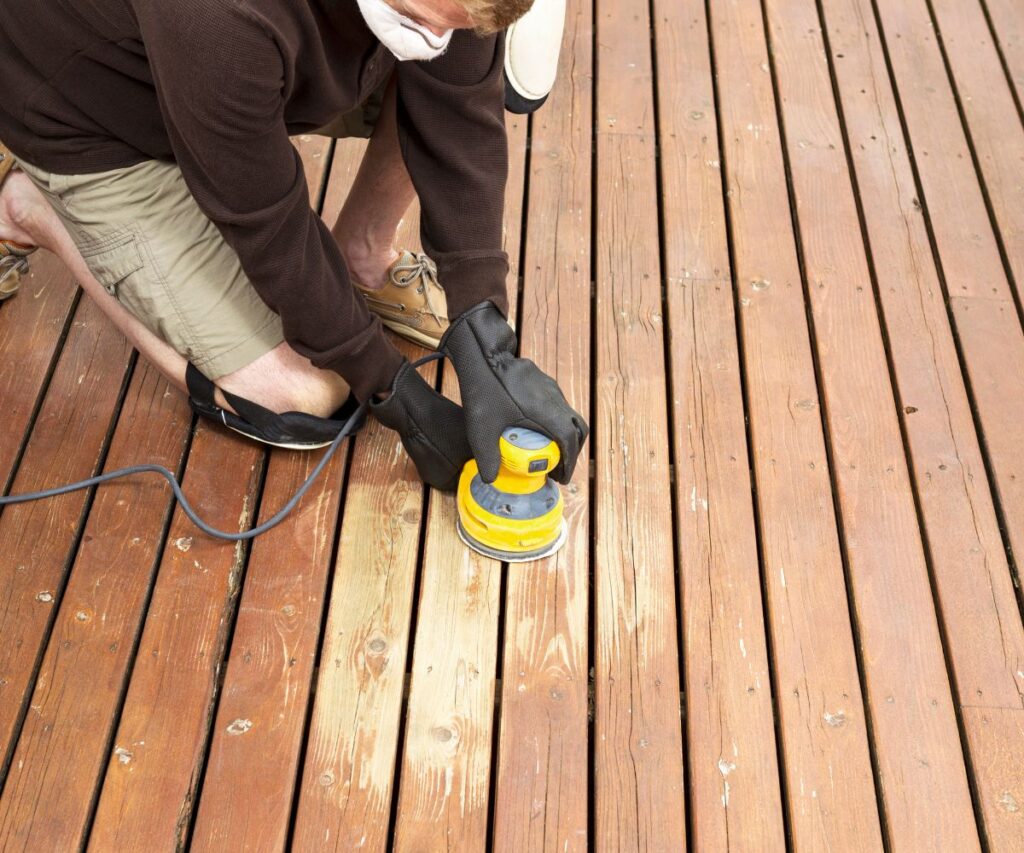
[(774, 252)]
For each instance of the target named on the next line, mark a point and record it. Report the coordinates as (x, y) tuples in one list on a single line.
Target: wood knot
[(442, 734)]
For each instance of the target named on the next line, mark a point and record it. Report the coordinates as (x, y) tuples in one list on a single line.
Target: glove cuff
[(484, 327)]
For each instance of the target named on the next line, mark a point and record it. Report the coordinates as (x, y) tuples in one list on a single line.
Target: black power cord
[(186, 507)]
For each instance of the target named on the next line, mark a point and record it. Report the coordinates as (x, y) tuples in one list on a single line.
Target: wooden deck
[(776, 251)]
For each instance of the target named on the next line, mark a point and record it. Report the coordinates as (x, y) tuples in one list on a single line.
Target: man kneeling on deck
[(153, 156)]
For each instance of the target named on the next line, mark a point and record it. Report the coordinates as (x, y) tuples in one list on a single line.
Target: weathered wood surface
[(986, 99), (824, 723), (445, 773), (345, 796), (918, 755), (733, 770), (987, 322), (1006, 18), (32, 328), (69, 438), (975, 595), (795, 227), (152, 774), (542, 742), (63, 747), (638, 754)]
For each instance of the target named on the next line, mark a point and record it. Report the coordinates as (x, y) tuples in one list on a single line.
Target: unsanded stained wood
[(68, 439), (270, 665), (986, 320), (541, 798), (638, 751), (259, 729), (972, 580), (919, 758), (734, 775), (823, 722), (62, 749), (1007, 21), (149, 788), (31, 324), (998, 141)]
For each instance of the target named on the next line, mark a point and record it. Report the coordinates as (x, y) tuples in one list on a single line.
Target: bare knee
[(25, 212), (283, 381)]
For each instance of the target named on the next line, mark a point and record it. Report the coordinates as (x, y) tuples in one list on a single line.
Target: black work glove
[(500, 391), (432, 428)]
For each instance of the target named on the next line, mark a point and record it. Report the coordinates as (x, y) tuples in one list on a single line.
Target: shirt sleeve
[(221, 85), (451, 125)]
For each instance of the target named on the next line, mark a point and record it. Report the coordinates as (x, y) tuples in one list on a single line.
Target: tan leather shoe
[(411, 303), (12, 255)]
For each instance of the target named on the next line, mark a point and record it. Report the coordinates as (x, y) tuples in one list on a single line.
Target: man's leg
[(280, 380), (380, 195)]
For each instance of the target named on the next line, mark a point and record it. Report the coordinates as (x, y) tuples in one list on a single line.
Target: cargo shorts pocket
[(113, 258)]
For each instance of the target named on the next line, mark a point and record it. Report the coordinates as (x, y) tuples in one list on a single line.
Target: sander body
[(520, 516)]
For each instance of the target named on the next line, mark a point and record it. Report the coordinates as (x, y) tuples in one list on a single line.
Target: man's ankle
[(369, 267)]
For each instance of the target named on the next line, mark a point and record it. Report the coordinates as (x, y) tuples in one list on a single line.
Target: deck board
[(64, 742), (823, 717), (972, 579), (69, 438), (734, 793), (542, 750), (774, 250), (914, 723)]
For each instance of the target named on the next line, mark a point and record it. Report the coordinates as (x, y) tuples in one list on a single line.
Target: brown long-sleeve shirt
[(218, 86)]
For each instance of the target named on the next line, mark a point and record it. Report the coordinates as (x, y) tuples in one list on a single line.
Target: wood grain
[(346, 790), (1007, 20), (37, 540), (638, 761), (153, 770), (541, 801), (270, 666), (817, 688), (986, 320), (986, 99), (31, 325), (988, 106), (445, 774), (269, 671), (733, 772), (63, 746), (919, 758), (972, 580)]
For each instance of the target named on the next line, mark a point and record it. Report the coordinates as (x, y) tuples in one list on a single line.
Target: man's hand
[(432, 428), (500, 390)]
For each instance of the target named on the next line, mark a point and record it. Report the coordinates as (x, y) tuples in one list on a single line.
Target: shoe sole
[(411, 334), (282, 444)]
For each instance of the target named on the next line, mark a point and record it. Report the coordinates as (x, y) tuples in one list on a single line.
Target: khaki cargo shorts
[(144, 238)]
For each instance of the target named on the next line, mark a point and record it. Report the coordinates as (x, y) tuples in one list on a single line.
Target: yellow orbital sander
[(519, 516)]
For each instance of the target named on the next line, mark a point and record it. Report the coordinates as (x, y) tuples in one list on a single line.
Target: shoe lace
[(420, 267)]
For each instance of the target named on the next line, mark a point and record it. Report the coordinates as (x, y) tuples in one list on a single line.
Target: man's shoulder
[(220, 19)]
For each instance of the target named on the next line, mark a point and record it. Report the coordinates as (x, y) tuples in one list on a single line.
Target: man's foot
[(410, 302), (19, 206)]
